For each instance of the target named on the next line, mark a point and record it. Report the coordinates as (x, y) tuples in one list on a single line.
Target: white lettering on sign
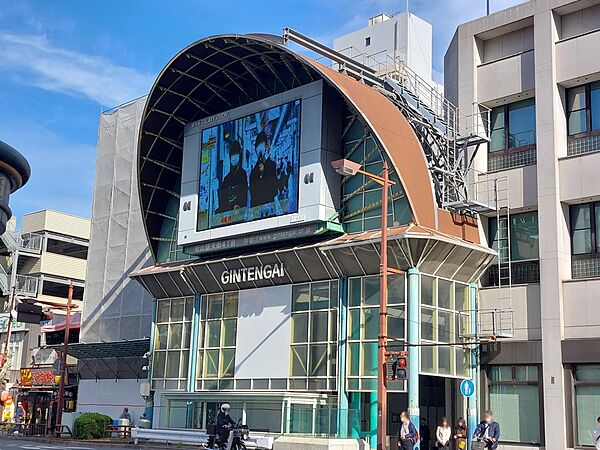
[(245, 274)]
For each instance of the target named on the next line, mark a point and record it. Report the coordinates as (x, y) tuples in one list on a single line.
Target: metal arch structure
[(227, 71)]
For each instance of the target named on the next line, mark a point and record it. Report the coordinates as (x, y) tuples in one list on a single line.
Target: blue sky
[(63, 62)]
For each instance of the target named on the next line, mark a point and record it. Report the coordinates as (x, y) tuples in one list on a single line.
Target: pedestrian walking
[(443, 435), (408, 435), (488, 431), (460, 434)]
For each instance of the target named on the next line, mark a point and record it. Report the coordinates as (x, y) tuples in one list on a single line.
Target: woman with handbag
[(443, 435), (460, 434)]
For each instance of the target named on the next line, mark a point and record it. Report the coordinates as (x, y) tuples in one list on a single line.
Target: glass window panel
[(301, 297), (162, 314), (300, 327), (320, 295), (334, 296), (333, 333), (229, 332), (497, 118), (353, 385), (161, 336), (582, 242), (428, 324), (445, 294), (354, 324), (588, 373), (525, 237), (427, 290), (299, 359), (183, 365), (461, 297), (576, 98), (211, 363), (368, 384), (462, 362), (201, 334), (445, 326), (526, 373), (215, 306), (175, 333), (332, 360), (158, 368), (396, 322), (213, 333), (318, 360), (446, 360), (429, 359), (189, 308), (177, 309), (395, 289), (187, 331), (227, 363), (578, 122), (199, 365), (517, 409), (595, 103), (318, 326), (587, 403), (230, 304), (371, 291), (501, 373), (203, 306), (354, 360), (521, 123), (371, 323), (354, 291), (597, 219), (369, 360), (172, 365), (498, 140)]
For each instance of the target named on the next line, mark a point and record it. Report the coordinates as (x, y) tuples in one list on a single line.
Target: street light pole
[(382, 339), (63, 364)]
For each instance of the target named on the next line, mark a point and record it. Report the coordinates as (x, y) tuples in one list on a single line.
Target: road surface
[(8, 443)]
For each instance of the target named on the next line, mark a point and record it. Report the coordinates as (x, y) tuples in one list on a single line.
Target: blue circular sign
[(467, 388)]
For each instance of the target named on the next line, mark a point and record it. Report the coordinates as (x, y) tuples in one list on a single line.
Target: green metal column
[(373, 413), (342, 351), (149, 406), (355, 415), (414, 339), (193, 357), (472, 402)]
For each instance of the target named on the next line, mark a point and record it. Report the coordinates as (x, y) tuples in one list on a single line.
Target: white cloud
[(34, 60)]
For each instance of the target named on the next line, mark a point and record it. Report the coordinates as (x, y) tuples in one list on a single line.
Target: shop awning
[(118, 349), (351, 255), (59, 323)]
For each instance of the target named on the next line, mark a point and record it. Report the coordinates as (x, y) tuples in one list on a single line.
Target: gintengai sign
[(245, 274)]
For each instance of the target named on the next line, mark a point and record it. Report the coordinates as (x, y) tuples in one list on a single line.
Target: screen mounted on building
[(249, 167)]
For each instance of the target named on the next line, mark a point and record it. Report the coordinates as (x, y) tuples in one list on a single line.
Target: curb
[(67, 442)]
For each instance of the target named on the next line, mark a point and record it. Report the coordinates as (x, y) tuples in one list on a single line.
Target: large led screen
[(249, 167)]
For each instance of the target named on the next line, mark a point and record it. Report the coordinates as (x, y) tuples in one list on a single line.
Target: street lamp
[(345, 168)]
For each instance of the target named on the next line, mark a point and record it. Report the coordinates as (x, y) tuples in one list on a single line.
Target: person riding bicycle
[(224, 423)]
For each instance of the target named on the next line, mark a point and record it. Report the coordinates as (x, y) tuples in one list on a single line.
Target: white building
[(535, 65), (403, 36)]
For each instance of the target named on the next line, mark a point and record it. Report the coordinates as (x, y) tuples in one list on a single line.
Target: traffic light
[(400, 368)]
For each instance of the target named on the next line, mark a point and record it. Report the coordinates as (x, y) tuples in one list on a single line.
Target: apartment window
[(587, 402), (514, 397), (367, 41), (172, 342), (524, 237), (512, 133), (583, 108), (585, 244), (313, 361)]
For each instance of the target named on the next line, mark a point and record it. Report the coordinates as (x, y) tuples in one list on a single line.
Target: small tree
[(90, 426)]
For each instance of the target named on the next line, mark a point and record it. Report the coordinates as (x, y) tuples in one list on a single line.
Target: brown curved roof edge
[(397, 138)]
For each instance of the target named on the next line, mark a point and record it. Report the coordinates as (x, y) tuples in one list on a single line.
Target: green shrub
[(90, 426)]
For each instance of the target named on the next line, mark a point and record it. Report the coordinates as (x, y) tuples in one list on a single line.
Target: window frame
[(588, 110), (574, 384), (509, 218), (595, 243), (507, 148)]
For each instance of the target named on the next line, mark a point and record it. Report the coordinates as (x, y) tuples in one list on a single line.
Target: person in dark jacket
[(224, 423), (460, 434), (488, 431), (425, 434), (263, 177), (407, 434), (233, 191)]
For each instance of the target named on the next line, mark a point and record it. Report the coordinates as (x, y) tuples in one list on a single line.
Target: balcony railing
[(522, 272), (515, 157), (577, 145), (585, 267)]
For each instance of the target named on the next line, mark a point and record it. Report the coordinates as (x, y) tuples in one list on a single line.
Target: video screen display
[(249, 167)]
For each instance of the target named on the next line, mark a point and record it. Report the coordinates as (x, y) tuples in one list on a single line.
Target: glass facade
[(587, 402), (313, 355), (361, 197), (524, 237), (583, 108), (444, 313), (172, 343), (514, 397)]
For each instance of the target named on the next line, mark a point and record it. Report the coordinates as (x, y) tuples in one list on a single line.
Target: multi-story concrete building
[(532, 74), (404, 36)]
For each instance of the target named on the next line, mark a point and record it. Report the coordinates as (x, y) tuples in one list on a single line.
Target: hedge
[(90, 426)]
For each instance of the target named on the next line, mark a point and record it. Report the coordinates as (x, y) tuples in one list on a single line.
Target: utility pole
[(63, 365)]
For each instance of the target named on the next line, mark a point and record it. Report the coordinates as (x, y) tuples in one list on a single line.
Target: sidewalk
[(70, 442)]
